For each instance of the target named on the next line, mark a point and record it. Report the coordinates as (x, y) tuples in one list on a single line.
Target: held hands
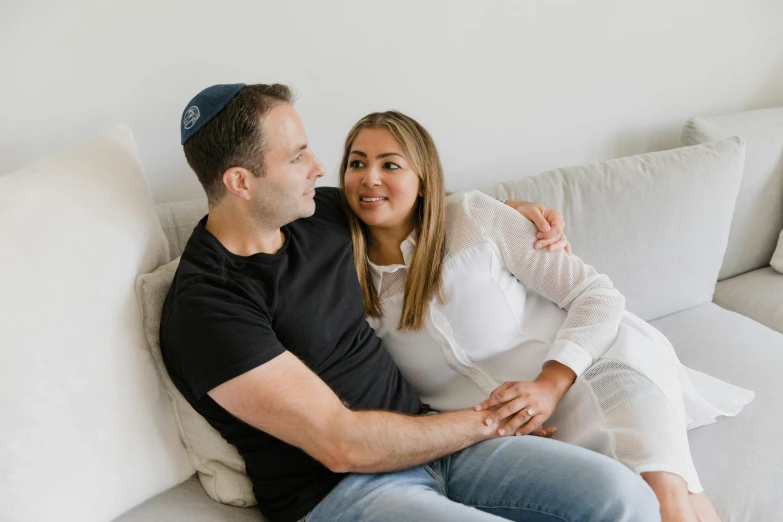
[(521, 407), (550, 224)]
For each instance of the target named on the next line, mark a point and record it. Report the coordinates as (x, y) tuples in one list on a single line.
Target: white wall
[(507, 88)]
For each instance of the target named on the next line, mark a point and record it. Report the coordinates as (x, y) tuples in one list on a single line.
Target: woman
[(474, 316)]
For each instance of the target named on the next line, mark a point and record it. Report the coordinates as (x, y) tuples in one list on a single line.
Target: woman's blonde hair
[(425, 272)]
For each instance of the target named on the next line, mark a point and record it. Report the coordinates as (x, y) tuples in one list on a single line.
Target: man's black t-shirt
[(227, 314)]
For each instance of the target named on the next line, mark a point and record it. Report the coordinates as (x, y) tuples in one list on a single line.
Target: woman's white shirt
[(507, 307)]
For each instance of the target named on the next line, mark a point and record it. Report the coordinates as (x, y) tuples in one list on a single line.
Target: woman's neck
[(385, 244)]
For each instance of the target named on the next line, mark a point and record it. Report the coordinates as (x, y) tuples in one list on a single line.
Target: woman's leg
[(703, 508), (647, 434), (673, 496)]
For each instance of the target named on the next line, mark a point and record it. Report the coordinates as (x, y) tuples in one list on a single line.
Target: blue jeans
[(528, 479)]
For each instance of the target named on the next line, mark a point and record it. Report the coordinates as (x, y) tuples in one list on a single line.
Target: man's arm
[(287, 400)]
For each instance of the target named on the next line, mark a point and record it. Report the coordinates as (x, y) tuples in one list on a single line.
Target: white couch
[(747, 283), (740, 459)]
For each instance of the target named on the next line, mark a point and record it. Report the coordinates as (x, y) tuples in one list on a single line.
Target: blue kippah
[(206, 105)]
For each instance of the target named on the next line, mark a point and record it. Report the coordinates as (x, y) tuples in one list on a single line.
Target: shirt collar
[(408, 247)]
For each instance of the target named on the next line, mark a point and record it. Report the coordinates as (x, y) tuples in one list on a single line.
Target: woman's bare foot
[(672, 493), (703, 508)]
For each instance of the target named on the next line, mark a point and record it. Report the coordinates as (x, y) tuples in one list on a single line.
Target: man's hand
[(550, 224), (547, 433), (521, 407)]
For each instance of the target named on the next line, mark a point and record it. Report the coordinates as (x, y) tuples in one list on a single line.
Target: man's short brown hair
[(234, 138)]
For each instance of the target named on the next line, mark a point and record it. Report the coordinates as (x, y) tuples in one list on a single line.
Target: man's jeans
[(513, 478)]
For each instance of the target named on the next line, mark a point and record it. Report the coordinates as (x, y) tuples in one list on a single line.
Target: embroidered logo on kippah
[(191, 117)]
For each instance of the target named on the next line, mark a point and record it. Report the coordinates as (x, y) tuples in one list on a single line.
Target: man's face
[(285, 193)]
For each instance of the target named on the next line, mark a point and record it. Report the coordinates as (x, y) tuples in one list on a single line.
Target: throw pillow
[(657, 224), (220, 468), (87, 432)]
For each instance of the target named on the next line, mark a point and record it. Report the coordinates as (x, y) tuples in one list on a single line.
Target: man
[(264, 332)]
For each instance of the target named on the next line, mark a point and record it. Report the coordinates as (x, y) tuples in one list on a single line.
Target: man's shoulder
[(201, 279), (192, 291), (200, 266), (331, 194), (329, 199)]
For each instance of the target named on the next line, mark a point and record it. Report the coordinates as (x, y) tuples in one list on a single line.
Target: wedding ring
[(530, 412)]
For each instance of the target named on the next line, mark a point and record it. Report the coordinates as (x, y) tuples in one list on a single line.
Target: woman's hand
[(522, 407), (550, 224)]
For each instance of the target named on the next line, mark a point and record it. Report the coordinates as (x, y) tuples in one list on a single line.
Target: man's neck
[(385, 244), (242, 235)]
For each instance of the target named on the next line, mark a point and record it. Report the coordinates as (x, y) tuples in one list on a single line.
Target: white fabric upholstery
[(219, 466), (636, 219), (738, 459), (757, 294), (777, 257), (87, 432), (178, 221), (188, 503), (758, 216)]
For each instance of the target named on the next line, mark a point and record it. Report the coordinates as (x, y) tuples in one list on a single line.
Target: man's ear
[(237, 182)]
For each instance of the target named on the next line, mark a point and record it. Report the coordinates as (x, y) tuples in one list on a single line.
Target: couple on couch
[(462, 306)]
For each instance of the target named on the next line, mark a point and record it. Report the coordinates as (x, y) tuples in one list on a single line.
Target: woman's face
[(380, 186)]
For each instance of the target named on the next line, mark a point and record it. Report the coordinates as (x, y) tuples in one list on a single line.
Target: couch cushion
[(757, 294), (758, 216), (219, 465), (739, 459), (187, 502), (87, 431), (656, 223), (178, 221)]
